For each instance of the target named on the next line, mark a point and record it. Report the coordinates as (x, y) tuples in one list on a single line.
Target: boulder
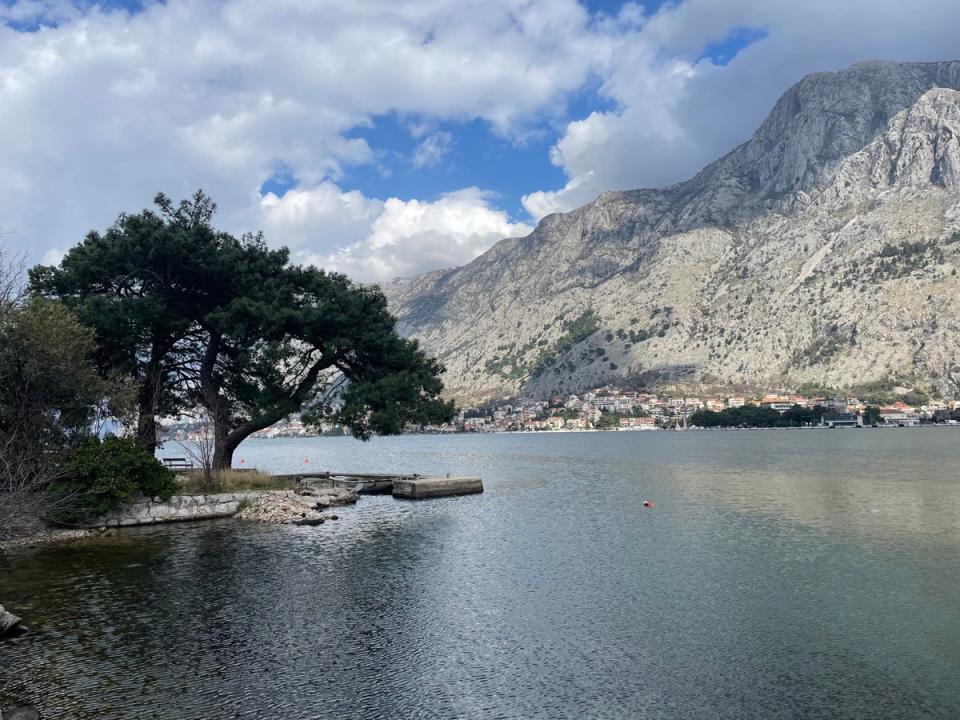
[(8, 622)]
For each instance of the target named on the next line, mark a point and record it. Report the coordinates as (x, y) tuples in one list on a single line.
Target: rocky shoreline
[(44, 536), (305, 507), (287, 507)]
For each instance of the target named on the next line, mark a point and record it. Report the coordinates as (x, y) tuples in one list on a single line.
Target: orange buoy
[(648, 504)]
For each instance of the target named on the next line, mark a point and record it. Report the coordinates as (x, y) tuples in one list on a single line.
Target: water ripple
[(781, 575)]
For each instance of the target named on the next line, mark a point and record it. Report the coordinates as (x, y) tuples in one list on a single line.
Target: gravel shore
[(46, 536)]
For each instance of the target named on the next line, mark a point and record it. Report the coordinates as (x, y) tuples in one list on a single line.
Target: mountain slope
[(824, 249)]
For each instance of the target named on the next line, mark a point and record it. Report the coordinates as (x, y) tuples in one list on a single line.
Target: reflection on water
[(782, 575)]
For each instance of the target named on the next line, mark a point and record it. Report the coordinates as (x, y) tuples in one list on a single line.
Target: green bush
[(103, 475)]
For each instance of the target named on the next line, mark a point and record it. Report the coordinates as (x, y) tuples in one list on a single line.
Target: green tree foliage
[(49, 393), (754, 416), (51, 399), (200, 318), (105, 474), (320, 343), (608, 420), (915, 397), (574, 331), (140, 286)]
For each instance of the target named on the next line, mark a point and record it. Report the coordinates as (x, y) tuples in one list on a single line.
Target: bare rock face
[(825, 249)]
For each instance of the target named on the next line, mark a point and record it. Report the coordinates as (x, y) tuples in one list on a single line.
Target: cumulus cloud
[(322, 216), (375, 240), (101, 109), (106, 108), (410, 237)]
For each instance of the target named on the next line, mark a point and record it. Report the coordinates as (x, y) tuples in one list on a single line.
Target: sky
[(386, 139)]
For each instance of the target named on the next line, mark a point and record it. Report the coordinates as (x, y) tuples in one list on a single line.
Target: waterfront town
[(613, 408)]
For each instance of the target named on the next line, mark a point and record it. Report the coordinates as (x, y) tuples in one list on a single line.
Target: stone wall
[(181, 507)]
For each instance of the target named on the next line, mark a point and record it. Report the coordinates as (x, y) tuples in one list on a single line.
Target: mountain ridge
[(847, 166)]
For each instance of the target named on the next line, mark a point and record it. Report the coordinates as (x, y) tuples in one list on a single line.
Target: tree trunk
[(147, 418), (215, 405), (148, 398), (227, 441), (147, 432), (223, 445)]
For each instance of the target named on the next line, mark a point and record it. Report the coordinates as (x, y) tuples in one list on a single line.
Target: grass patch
[(230, 481)]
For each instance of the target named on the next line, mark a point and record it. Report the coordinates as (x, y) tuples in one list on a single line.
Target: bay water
[(779, 574)]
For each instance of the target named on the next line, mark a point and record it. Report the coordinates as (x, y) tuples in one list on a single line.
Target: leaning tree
[(317, 343), (200, 318)]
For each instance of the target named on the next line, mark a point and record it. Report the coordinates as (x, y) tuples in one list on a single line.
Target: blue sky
[(478, 155), (507, 167), (387, 139)]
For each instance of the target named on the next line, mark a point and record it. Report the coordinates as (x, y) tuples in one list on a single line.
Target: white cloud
[(322, 216), (106, 109), (52, 257), (374, 240), (432, 150), (32, 12), (412, 236)]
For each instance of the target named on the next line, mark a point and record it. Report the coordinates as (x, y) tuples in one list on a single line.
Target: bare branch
[(13, 283), (201, 447)]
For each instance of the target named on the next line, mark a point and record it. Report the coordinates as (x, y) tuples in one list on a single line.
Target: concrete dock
[(418, 488)]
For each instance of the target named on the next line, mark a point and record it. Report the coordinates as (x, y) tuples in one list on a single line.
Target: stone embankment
[(283, 506), (301, 508), (180, 507)]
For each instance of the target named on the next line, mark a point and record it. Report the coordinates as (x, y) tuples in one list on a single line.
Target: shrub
[(104, 474), (232, 481)]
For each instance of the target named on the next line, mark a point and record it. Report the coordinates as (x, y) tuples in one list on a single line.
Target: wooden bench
[(177, 463)]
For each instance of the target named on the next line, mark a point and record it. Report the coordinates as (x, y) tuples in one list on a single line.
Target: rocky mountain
[(823, 250)]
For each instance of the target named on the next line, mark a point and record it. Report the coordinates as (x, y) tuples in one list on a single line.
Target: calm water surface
[(782, 574)]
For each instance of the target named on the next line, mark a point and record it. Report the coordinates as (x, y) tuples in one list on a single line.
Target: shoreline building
[(842, 420)]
